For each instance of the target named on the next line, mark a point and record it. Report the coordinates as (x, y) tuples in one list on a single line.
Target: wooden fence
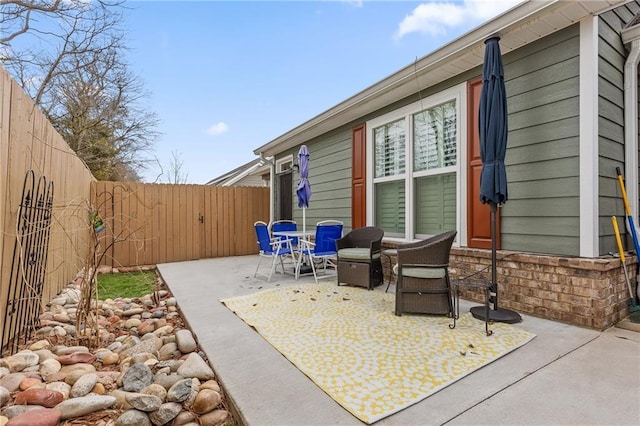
[(145, 223), (29, 142), (148, 224)]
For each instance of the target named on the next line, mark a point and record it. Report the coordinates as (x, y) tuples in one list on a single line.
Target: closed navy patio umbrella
[(304, 187), (493, 128)]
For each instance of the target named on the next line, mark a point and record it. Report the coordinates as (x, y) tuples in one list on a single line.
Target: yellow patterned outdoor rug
[(373, 363)]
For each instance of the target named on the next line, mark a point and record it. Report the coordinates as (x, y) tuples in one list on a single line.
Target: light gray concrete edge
[(566, 375)]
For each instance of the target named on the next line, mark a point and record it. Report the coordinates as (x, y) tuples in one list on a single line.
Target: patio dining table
[(305, 235), (296, 234), (291, 234)]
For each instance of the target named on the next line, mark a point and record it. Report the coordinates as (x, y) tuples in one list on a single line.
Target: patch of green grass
[(126, 284)]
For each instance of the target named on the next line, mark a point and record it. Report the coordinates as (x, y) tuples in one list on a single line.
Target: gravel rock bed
[(147, 370)]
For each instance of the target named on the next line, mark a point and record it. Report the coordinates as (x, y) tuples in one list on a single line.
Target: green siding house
[(406, 160)]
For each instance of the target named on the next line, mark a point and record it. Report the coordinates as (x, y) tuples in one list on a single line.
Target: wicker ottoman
[(358, 273)]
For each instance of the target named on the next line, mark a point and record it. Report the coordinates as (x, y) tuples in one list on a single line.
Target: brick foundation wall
[(586, 292)]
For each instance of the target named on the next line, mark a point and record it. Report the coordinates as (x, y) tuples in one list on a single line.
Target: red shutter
[(478, 214), (358, 177)]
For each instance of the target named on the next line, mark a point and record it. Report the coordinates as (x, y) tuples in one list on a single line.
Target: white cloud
[(354, 3), (436, 17), (217, 129)]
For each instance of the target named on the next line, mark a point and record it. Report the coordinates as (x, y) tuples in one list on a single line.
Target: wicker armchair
[(359, 260), (423, 276)]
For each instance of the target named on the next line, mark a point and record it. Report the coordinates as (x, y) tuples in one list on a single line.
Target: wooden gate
[(147, 224)]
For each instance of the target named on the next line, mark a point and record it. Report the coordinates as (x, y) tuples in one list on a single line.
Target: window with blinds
[(389, 149), (434, 137), (435, 205), (390, 207), (415, 171)]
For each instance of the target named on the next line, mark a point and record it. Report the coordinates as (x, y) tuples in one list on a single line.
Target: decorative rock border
[(147, 370)]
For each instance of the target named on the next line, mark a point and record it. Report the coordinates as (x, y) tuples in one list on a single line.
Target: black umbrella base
[(305, 269), (496, 315)]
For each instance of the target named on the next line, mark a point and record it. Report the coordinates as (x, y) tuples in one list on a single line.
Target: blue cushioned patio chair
[(323, 247), (275, 249), (285, 225)]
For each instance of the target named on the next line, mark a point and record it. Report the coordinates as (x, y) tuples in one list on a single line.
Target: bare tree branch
[(73, 68), (176, 173)]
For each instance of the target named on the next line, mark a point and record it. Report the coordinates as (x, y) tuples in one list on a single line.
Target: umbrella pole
[(494, 257), (496, 314)]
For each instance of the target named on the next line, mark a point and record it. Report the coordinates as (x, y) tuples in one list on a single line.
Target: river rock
[(164, 331), (12, 381), (39, 417), (151, 345), (195, 366), (155, 389), (110, 359), (107, 378), (172, 364), (76, 358), (186, 342), (143, 402), (195, 388), (75, 371), (185, 417), (44, 397), (211, 384), (76, 407), (133, 418), (168, 351), (143, 358), (180, 391), (132, 311), (214, 418), (137, 377), (29, 382), (66, 350), (84, 385), (132, 322), (146, 326), (59, 300), (61, 387), (20, 361), (206, 400), (55, 377), (5, 396), (167, 412), (121, 398), (49, 366), (45, 354), (40, 344), (167, 380), (61, 317), (15, 410)]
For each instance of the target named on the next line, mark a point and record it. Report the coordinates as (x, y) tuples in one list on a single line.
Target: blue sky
[(226, 77)]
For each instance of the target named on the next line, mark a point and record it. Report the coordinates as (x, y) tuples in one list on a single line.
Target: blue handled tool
[(632, 227)]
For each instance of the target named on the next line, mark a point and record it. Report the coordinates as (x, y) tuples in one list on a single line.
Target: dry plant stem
[(86, 318)]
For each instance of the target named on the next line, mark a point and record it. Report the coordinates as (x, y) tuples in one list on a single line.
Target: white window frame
[(457, 93), (282, 162)]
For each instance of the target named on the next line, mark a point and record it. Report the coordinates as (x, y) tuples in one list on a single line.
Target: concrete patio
[(566, 375)]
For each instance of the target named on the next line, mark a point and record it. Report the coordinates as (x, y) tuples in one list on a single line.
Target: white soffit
[(517, 27)]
